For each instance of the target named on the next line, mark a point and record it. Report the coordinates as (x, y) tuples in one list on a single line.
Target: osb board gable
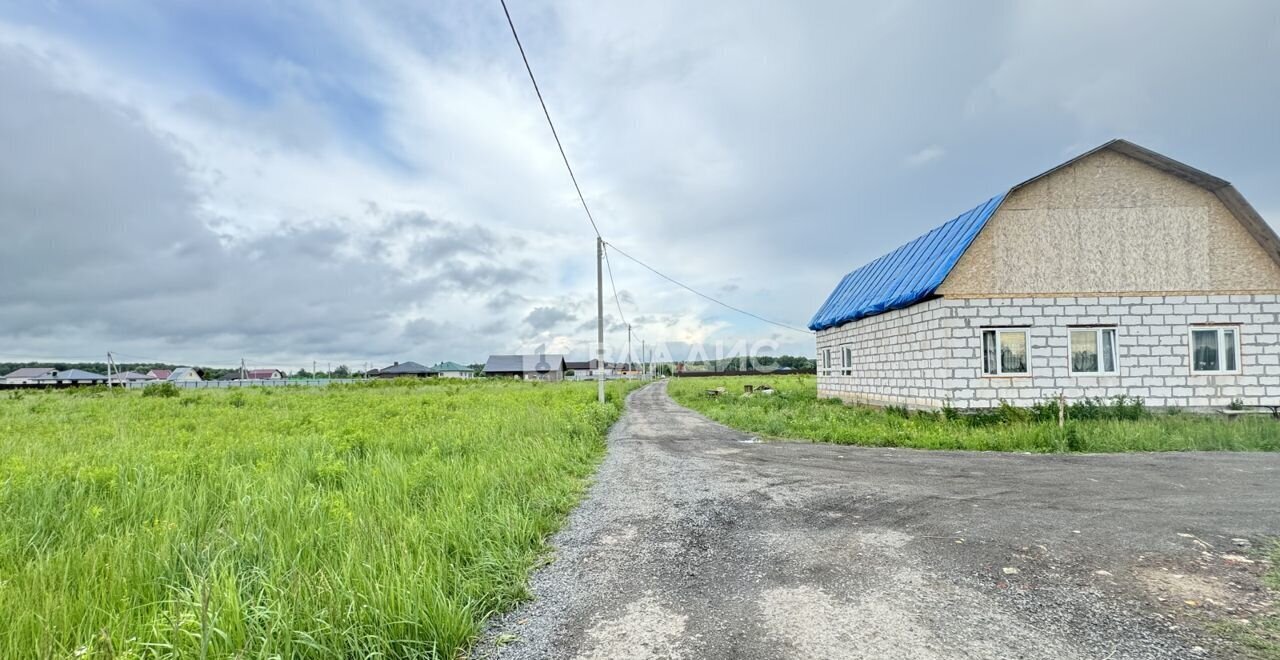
[(1111, 224)]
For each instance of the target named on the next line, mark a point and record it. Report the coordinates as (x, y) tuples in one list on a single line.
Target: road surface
[(697, 541)]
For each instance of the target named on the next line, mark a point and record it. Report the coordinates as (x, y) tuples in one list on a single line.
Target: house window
[(1093, 350), (847, 363), (826, 360), (1215, 350), (1005, 352)]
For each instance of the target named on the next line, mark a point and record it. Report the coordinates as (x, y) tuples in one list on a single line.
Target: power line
[(582, 198), (547, 114), (613, 286), (686, 287)]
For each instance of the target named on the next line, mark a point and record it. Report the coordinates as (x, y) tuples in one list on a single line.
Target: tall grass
[(385, 520), (796, 412)]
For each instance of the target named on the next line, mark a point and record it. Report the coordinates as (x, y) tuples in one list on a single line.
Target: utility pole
[(328, 370), (644, 372), (108, 369), (313, 368), (243, 374), (599, 319), (628, 347)]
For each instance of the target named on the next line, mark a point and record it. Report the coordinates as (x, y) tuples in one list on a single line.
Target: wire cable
[(582, 198), (616, 300), (547, 114), (686, 287)]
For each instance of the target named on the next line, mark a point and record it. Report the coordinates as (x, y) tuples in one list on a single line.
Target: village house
[(27, 375), (542, 366), (453, 370), (404, 370), (588, 369), (70, 377), (160, 374), (125, 377), (254, 374), (1119, 272), (184, 375)]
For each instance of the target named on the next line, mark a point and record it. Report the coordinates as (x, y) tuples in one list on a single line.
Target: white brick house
[(1118, 272)]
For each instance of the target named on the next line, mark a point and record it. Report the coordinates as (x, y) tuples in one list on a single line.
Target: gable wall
[(1111, 224)]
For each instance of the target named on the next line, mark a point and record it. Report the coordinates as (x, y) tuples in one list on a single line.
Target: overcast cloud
[(368, 182)]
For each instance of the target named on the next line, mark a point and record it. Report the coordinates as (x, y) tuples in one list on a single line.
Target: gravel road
[(697, 541)]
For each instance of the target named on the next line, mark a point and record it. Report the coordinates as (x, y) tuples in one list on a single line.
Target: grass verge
[(380, 520), (796, 412), (1259, 639)]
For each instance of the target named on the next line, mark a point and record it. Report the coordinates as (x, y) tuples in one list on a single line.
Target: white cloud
[(926, 155)]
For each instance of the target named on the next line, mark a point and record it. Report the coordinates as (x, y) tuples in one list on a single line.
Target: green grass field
[(383, 520), (796, 412)]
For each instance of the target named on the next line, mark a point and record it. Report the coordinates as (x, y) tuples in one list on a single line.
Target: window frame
[(1191, 349), (1097, 338), (826, 360), (846, 360), (1000, 372)]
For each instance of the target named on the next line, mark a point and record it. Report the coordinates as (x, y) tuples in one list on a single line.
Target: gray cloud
[(104, 239), (546, 318)]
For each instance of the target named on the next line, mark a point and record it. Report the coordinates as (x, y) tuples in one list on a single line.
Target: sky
[(369, 182)]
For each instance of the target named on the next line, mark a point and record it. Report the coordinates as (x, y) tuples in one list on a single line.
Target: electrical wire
[(616, 300), (590, 218), (547, 114), (686, 287)]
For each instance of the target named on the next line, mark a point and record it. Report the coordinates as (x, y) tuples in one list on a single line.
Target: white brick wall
[(931, 353)]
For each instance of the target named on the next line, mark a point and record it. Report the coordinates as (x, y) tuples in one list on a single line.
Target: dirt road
[(698, 542)]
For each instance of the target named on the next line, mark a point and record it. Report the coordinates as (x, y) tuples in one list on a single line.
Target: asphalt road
[(696, 541)]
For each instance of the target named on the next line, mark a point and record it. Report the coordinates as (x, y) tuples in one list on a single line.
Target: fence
[(224, 384), (776, 372)]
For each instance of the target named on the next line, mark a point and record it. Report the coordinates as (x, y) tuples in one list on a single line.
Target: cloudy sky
[(198, 182)]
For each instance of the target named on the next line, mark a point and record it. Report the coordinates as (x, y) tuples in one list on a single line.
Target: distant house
[(588, 369), (129, 377), (184, 375), (543, 366), (1119, 272), (27, 375), (71, 377), (254, 374), (453, 370), (405, 370), (160, 374)]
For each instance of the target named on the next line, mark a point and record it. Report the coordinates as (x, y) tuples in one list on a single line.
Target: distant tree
[(342, 371), (797, 362), (302, 373)]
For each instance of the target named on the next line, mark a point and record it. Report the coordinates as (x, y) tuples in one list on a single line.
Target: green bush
[(1096, 408), (165, 390)]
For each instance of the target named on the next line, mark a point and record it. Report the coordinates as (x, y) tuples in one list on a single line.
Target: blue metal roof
[(907, 275)]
